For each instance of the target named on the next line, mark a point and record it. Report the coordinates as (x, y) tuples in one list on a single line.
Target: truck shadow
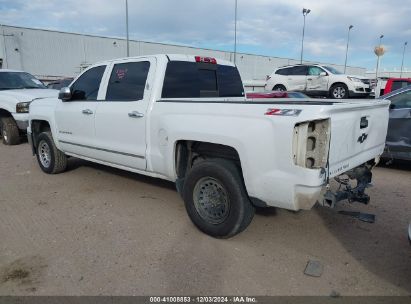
[(76, 163)]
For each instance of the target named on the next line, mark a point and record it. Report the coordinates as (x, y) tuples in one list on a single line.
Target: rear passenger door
[(297, 78), (121, 118)]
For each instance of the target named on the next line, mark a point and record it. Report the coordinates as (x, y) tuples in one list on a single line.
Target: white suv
[(317, 80)]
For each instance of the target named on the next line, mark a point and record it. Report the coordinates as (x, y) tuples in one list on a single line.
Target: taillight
[(311, 143), (205, 59)]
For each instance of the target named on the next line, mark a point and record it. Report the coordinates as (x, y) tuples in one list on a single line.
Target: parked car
[(395, 84), (17, 90), (275, 94), (60, 83), (398, 145), (318, 80), (185, 119)]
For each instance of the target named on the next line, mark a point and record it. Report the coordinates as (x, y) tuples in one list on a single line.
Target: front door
[(121, 118), (315, 81), (75, 118)]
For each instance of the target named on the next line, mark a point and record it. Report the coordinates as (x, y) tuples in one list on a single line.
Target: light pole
[(235, 31), (403, 54), (306, 11), (128, 43), (346, 51), (378, 59)]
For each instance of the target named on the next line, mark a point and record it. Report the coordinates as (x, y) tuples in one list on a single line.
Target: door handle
[(87, 112), (135, 114)]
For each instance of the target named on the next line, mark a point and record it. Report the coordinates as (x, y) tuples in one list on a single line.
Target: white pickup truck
[(17, 90), (185, 119)]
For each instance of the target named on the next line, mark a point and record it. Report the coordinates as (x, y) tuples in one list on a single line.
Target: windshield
[(333, 70), (19, 80)]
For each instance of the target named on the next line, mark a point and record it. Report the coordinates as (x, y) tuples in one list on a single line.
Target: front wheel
[(339, 91), (215, 198), (50, 159), (9, 131), (279, 87)]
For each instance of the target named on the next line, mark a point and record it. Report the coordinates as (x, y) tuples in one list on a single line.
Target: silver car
[(398, 143)]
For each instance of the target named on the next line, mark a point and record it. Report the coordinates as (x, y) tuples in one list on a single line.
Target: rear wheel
[(50, 159), (339, 91), (279, 87), (9, 131), (215, 198)]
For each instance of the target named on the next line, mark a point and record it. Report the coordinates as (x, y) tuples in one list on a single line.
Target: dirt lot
[(95, 230)]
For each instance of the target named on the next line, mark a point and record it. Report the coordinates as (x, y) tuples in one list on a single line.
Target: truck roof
[(172, 57)]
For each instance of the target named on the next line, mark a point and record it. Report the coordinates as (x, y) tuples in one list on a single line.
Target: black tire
[(9, 131), (279, 87), (51, 160), (339, 91), (238, 211)]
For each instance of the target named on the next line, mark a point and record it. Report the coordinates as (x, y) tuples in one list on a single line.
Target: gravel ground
[(95, 230)]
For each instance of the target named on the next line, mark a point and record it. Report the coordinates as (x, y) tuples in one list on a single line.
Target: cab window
[(87, 85), (398, 84), (128, 81), (193, 80)]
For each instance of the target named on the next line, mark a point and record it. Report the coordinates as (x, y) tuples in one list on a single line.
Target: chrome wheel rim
[(44, 154), (279, 89), (339, 92), (211, 200), (4, 134)]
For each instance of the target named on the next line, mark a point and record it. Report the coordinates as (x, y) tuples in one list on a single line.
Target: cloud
[(267, 27)]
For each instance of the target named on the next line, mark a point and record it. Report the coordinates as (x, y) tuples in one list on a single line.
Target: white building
[(51, 54)]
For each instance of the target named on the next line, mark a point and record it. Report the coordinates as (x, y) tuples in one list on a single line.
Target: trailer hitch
[(362, 175)]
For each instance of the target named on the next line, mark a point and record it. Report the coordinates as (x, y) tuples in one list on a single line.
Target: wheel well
[(188, 152), (37, 127), (5, 113), (279, 85), (341, 83)]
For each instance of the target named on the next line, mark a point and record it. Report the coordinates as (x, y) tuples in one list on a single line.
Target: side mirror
[(322, 74), (65, 94)]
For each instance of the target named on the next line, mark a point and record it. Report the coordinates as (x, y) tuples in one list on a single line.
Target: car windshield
[(19, 80), (333, 70)]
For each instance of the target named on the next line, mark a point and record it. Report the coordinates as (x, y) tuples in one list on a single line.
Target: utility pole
[(403, 54), (378, 59), (128, 42), (306, 11), (235, 31), (346, 51)]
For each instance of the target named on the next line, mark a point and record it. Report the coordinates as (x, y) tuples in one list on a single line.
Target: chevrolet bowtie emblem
[(362, 138)]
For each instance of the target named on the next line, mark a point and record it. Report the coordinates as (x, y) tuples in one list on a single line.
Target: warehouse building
[(51, 54)]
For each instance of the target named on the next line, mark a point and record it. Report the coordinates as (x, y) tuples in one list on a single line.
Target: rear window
[(285, 71), (193, 80)]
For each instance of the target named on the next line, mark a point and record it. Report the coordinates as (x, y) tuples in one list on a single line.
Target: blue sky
[(265, 27)]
